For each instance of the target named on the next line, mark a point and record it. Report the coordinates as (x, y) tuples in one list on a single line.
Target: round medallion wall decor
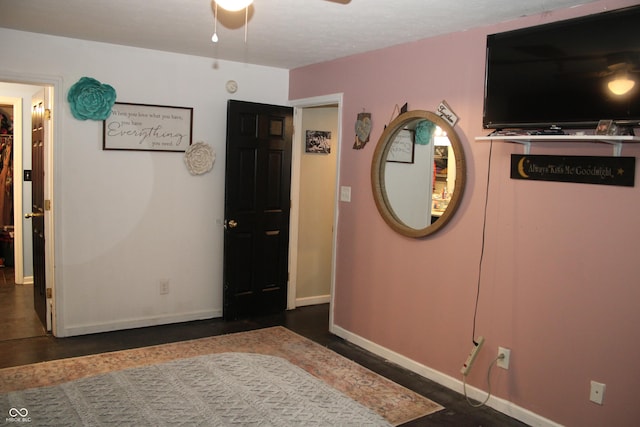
[(199, 158), (232, 86)]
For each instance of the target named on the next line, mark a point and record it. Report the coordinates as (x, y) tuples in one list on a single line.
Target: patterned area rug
[(228, 389), (388, 399)]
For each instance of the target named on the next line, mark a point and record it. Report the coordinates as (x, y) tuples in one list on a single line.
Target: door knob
[(232, 223), (33, 214)]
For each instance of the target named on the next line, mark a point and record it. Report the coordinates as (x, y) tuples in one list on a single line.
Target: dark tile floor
[(311, 322)]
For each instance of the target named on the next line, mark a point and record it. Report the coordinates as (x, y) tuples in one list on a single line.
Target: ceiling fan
[(238, 5), (622, 72), (621, 79)]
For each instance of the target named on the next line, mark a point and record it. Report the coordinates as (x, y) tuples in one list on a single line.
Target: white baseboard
[(138, 323), (27, 280), (499, 404), (321, 299)]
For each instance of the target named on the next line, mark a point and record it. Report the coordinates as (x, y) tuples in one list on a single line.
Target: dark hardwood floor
[(18, 319), (311, 322)]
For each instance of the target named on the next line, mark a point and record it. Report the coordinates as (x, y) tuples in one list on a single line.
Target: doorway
[(18, 315), (314, 208), (7, 106)]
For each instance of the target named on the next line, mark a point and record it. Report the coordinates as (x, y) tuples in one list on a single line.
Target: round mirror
[(418, 173)]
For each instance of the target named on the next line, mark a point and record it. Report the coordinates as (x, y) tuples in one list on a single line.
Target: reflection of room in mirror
[(426, 164), (444, 177), (419, 198), (405, 184)]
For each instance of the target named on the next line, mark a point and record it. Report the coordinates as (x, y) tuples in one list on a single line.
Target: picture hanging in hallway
[(318, 141)]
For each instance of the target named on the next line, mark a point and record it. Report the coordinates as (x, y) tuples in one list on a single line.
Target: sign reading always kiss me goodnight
[(581, 169)]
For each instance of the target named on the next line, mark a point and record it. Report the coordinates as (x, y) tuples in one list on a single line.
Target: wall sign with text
[(581, 169), (148, 128), (402, 148)]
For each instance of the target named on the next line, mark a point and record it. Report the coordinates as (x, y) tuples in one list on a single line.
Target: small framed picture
[(318, 141), (147, 127), (606, 127), (402, 148)]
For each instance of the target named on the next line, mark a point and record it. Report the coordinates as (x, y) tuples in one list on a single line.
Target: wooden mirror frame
[(378, 164)]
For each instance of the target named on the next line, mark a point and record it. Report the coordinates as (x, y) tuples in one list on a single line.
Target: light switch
[(345, 194)]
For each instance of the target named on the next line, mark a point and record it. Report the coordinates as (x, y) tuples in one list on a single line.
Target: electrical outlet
[(504, 362), (164, 286), (472, 356), (597, 392)]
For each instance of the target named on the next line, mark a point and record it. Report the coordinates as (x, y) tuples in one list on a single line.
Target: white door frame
[(298, 140), (53, 91)]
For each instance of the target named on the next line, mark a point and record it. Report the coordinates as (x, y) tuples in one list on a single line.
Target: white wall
[(124, 221)]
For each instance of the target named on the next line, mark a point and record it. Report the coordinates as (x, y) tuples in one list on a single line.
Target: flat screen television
[(557, 74)]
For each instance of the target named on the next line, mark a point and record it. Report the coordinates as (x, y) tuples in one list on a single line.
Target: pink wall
[(560, 276)]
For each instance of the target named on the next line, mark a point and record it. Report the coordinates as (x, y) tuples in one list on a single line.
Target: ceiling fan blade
[(340, 1)]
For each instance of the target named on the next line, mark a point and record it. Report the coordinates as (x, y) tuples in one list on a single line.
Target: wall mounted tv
[(557, 74)]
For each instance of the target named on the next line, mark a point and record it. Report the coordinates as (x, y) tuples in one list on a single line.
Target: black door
[(38, 139), (257, 205)]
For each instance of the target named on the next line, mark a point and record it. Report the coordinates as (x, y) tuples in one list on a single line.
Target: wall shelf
[(617, 141)]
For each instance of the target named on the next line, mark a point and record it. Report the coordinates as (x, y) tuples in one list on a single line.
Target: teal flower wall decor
[(90, 99), (424, 132)]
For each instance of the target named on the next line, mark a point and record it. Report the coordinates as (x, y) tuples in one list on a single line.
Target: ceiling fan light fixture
[(621, 85), (233, 5)]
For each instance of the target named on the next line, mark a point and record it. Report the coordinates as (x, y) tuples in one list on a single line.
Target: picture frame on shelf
[(606, 127)]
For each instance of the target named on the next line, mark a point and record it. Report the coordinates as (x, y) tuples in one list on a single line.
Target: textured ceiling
[(281, 33)]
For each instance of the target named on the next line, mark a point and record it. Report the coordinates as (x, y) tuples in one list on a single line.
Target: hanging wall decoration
[(578, 169), (363, 130), (90, 99), (148, 128), (445, 111), (199, 158), (318, 141)]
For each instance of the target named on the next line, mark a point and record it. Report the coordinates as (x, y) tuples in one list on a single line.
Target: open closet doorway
[(18, 315), (7, 106), (314, 208)]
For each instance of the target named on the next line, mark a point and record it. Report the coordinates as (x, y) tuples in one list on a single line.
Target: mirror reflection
[(418, 173), (425, 165)]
